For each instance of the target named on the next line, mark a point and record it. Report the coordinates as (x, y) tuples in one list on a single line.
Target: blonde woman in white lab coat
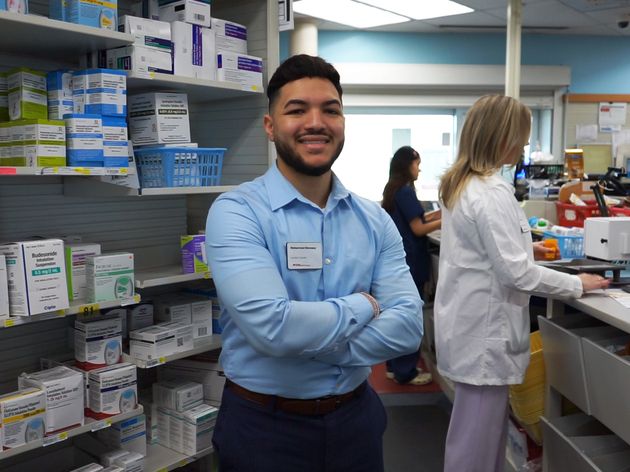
[(486, 275)]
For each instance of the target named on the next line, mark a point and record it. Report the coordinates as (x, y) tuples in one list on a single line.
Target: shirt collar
[(282, 192)]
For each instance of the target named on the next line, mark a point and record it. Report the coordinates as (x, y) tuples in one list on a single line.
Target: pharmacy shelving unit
[(49, 203), (90, 425), (75, 308), (198, 348)]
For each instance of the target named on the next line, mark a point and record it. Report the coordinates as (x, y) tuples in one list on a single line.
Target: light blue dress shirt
[(308, 333)]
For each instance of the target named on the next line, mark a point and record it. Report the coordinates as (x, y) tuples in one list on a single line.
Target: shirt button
[(328, 260)]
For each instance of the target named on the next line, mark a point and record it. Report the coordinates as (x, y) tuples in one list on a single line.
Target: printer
[(607, 238)]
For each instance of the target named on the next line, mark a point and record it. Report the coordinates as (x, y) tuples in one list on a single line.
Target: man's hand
[(593, 282)]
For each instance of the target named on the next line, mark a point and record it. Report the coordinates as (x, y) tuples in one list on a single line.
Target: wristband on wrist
[(376, 309)]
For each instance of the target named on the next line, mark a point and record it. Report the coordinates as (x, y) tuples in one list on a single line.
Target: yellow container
[(528, 399)]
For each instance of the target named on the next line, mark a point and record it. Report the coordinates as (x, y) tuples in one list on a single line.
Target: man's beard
[(295, 161)]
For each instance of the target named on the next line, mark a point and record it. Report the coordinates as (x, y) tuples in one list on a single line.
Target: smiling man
[(314, 290)]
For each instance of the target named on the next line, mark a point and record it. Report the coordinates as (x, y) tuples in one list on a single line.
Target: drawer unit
[(579, 443), (562, 351), (608, 382)]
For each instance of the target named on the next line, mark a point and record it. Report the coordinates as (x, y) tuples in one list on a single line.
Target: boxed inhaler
[(37, 276), (139, 316), (97, 342), (187, 309), (113, 390), (197, 428), (115, 142), (96, 14), (140, 60), (240, 69), (160, 340), (130, 462), (189, 11), (148, 33), (194, 51), (27, 98), (59, 85), (5, 144), (4, 289), (209, 374), (193, 249), (84, 140), (22, 417), (178, 395), (110, 277), (230, 36), (76, 255), (100, 91), (129, 435), (44, 142), (159, 118), (64, 396)]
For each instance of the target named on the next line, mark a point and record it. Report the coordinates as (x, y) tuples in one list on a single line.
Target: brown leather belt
[(312, 407)]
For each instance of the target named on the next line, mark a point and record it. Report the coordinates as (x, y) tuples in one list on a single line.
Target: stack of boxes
[(159, 118), (85, 12)]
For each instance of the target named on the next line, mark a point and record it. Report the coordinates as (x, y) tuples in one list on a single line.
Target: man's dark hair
[(298, 67)]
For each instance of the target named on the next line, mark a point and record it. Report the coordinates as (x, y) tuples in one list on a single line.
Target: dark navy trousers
[(253, 438)]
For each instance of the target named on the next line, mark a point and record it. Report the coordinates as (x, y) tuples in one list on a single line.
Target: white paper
[(285, 15), (586, 133), (612, 115), (620, 297), (620, 138)]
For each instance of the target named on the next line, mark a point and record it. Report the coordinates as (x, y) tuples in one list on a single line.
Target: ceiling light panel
[(347, 12), (421, 9)]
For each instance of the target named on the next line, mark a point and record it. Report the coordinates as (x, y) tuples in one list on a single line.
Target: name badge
[(301, 256)]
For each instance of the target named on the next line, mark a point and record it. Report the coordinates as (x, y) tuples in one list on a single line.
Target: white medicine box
[(159, 118), (110, 277), (189, 11), (76, 255), (113, 390), (4, 289), (36, 275)]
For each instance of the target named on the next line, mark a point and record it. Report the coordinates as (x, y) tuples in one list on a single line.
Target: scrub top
[(406, 208)]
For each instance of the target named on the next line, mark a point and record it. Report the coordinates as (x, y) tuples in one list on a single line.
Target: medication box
[(110, 277), (76, 255), (22, 417), (193, 248), (178, 395), (4, 99), (140, 60), (44, 142), (5, 145), (4, 289), (64, 396), (230, 36), (197, 428), (98, 342), (195, 52), (84, 140), (37, 276), (96, 14), (113, 391), (139, 316), (100, 91), (59, 85), (148, 33), (240, 69), (115, 142), (159, 118), (189, 11), (27, 96), (160, 340), (129, 435), (131, 462)]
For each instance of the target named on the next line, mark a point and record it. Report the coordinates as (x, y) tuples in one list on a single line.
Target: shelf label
[(163, 469), (89, 309), (82, 170), (184, 462), (61, 313), (155, 362), (9, 323), (48, 440), (8, 171), (206, 275), (130, 301), (100, 425)]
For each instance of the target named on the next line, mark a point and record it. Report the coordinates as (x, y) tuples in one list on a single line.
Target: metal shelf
[(82, 187), (165, 276), (162, 459), (186, 190), (198, 90), (211, 345), (67, 171), (75, 308), (32, 35), (90, 425)]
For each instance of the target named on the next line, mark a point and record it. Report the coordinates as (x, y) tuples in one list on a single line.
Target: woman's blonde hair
[(494, 126)]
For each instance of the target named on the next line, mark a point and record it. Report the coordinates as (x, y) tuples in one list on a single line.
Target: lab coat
[(486, 275)]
